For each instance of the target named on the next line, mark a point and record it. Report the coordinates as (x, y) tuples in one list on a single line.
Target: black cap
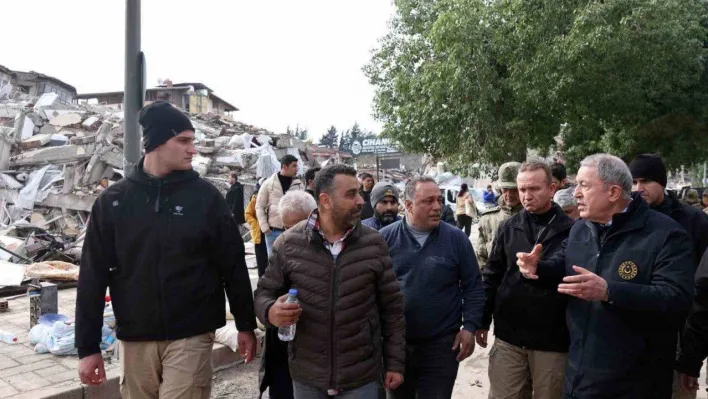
[(161, 121), (649, 166)]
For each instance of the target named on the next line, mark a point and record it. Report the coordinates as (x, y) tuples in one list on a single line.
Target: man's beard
[(385, 218), (346, 218)]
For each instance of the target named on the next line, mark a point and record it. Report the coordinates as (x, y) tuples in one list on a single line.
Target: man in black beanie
[(166, 244), (649, 180)]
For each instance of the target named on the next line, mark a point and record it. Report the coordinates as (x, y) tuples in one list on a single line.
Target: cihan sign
[(372, 146)]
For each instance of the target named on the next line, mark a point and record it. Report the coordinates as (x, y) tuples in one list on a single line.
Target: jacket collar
[(138, 175), (311, 227), (559, 222), (633, 218)]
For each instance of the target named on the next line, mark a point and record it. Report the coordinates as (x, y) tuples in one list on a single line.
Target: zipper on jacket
[(333, 307), (158, 286)]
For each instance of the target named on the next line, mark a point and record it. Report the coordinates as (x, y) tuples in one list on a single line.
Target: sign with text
[(372, 145)]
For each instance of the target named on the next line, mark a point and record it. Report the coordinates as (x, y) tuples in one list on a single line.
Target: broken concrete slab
[(91, 123), (58, 139), (27, 128), (8, 181), (68, 201), (82, 139), (58, 155), (63, 120), (47, 129), (36, 141), (46, 100)]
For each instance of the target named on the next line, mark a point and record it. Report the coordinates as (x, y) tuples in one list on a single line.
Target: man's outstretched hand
[(528, 262)]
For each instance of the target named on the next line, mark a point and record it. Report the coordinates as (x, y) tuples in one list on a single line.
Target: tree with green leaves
[(479, 81), (330, 139), (299, 133)]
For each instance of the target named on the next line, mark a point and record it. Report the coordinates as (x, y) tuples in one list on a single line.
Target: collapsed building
[(56, 157)]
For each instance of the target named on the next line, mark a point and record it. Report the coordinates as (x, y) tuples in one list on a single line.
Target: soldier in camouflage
[(509, 204)]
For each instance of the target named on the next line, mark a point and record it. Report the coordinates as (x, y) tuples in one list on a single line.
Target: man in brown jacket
[(350, 327)]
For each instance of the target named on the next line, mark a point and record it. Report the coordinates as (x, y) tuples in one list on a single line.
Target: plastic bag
[(41, 348), (39, 334), (227, 335)]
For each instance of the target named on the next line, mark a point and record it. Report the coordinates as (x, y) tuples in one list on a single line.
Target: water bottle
[(288, 333), (10, 338)]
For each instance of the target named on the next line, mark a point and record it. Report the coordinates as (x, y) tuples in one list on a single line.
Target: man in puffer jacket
[(350, 326)]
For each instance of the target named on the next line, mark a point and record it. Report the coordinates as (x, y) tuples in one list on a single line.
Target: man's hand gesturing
[(528, 262)]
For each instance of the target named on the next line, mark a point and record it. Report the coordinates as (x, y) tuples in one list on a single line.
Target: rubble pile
[(55, 159)]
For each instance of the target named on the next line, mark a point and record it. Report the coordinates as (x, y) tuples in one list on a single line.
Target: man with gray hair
[(628, 272), (566, 200), (295, 206), (439, 277)]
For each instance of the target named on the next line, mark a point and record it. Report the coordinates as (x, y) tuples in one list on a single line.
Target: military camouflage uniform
[(490, 220), (488, 225)]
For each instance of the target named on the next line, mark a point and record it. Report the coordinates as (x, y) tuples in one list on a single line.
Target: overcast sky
[(281, 62)]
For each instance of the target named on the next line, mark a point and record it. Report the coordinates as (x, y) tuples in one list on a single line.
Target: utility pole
[(133, 97)]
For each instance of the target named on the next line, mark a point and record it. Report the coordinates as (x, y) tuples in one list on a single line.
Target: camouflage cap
[(692, 196), (507, 175)]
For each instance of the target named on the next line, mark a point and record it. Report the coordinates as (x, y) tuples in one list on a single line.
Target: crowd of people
[(598, 290)]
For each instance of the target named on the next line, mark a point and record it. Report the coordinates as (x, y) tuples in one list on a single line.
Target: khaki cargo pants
[(514, 373), (167, 369)]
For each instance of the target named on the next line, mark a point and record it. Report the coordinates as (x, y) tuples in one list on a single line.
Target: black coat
[(167, 248), (694, 221), (234, 200), (625, 348), (367, 210), (694, 346), (447, 215), (529, 314)]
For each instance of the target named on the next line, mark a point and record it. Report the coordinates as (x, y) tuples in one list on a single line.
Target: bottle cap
[(292, 292)]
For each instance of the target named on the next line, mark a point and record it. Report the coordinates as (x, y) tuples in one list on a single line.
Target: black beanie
[(649, 166), (161, 121)]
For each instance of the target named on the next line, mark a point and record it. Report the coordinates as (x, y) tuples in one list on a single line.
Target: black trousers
[(261, 256), (431, 370), (465, 222)]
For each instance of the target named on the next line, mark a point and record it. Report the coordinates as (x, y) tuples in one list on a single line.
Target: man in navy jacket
[(444, 300), (628, 272)]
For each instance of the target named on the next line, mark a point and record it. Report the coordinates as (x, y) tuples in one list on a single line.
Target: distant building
[(192, 97), (35, 84), (323, 154)]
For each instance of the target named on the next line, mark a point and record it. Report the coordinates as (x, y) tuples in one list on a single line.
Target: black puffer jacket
[(694, 346), (625, 348), (168, 248), (527, 313)]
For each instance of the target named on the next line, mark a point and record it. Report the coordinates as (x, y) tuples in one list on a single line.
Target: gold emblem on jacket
[(628, 270)]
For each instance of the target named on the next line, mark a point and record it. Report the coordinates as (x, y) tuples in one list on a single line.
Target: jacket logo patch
[(115, 203), (628, 270), (178, 211)]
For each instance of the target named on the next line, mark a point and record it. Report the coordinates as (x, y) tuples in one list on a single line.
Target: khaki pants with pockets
[(514, 373), (167, 369)]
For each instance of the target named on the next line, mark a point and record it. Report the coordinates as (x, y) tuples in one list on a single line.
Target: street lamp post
[(133, 97)]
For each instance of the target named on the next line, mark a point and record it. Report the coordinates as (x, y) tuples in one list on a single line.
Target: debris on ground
[(56, 158)]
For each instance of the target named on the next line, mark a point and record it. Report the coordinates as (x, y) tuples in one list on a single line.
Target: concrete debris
[(56, 158), (65, 120)]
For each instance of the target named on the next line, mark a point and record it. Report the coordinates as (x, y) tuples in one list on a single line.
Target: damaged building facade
[(34, 84), (194, 98)]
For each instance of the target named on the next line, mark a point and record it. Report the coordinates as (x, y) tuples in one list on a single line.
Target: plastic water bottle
[(9, 338), (288, 333)]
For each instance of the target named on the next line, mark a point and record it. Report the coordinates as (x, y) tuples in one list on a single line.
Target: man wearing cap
[(166, 244), (532, 342), (649, 180), (566, 200), (384, 197), (509, 205)]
